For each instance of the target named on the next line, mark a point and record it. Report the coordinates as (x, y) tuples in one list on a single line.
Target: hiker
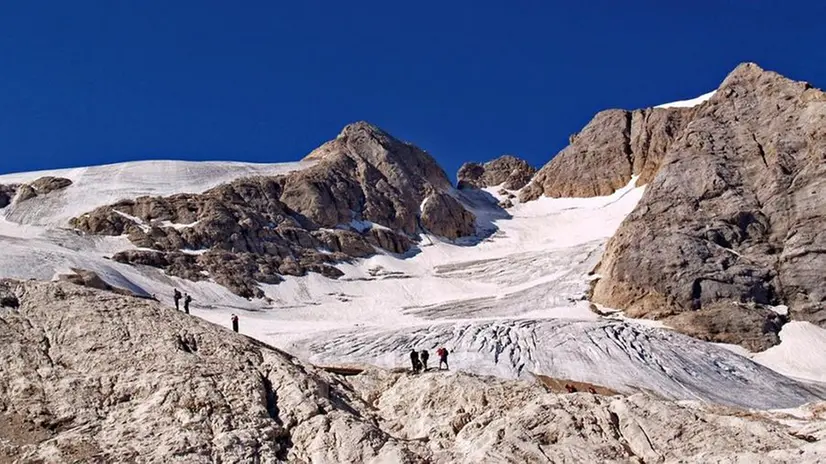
[(414, 360), (187, 300), (442, 352), (234, 323), (177, 297), (423, 356)]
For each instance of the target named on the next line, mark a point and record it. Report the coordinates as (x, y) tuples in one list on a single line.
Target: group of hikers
[(177, 297), (188, 299), (419, 359)]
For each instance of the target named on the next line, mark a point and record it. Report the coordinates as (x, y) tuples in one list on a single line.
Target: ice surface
[(623, 356), (509, 303)]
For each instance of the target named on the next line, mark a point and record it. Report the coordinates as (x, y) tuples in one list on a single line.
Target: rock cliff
[(614, 146), (364, 191), (91, 376), (732, 221)]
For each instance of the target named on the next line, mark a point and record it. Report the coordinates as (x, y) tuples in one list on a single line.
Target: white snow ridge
[(512, 305), (688, 103)]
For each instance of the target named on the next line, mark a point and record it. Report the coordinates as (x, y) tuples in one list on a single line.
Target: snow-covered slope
[(510, 305), (101, 185)]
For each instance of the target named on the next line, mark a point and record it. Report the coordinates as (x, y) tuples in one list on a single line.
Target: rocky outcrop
[(364, 191), (87, 278), (365, 174), (90, 376), (443, 215), (7, 193), (735, 214), (613, 147), (508, 171), (41, 186), (754, 327)]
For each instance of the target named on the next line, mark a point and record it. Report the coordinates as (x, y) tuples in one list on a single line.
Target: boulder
[(85, 278), (25, 192), (41, 186), (48, 184), (443, 215)]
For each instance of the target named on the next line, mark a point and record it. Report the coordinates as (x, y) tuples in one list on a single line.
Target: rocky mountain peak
[(618, 144), (365, 190), (361, 128), (365, 145), (751, 79), (748, 71)]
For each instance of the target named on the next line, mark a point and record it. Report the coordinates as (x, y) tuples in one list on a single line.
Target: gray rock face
[(41, 186), (7, 193), (90, 376), (735, 213), (257, 229), (614, 146), (509, 171), (366, 171), (443, 215)]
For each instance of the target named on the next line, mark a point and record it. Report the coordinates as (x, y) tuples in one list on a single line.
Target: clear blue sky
[(97, 82)]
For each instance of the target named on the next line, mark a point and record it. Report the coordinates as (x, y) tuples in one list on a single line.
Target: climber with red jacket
[(442, 353)]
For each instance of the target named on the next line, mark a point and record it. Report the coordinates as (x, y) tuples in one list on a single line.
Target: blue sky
[(97, 82)]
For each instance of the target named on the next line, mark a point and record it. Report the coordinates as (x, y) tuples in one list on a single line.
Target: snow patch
[(362, 226), (177, 226), (800, 352), (688, 103), (194, 252), (138, 221)]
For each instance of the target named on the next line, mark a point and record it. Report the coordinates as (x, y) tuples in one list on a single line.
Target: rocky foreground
[(93, 376)]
